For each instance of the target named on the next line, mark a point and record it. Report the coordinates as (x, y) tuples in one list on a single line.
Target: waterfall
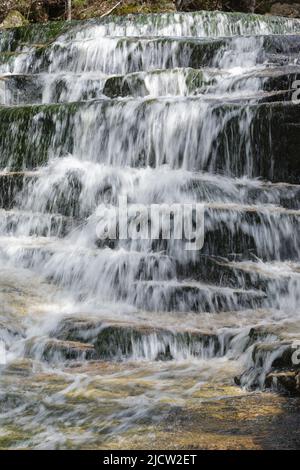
[(159, 109)]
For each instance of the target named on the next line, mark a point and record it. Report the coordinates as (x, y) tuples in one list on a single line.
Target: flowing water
[(102, 339)]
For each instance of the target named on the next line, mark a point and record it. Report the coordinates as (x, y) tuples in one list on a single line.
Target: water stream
[(104, 338)]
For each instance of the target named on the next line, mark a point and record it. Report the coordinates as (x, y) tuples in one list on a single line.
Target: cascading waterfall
[(160, 109)]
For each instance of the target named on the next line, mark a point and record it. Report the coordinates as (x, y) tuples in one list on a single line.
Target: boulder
[(286, 9), (8, 6), (14, 19)]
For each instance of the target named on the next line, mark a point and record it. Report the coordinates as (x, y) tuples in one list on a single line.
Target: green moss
[(133, 8), (15, 38), (14, 19), (35, 127), (79, 3)]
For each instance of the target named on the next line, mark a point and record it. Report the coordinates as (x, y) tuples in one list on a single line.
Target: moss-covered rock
[(274, 131), (14, 19), (36, 131), (16, 39), (137, 84), (21, 6), (119, 340)]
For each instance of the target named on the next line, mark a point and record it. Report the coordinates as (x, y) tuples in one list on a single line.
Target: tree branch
[(112, 9)]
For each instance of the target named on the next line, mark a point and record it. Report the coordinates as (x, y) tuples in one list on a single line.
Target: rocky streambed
[(131, 343)]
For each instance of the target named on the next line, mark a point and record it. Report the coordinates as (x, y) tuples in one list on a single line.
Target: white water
[(173, 138)]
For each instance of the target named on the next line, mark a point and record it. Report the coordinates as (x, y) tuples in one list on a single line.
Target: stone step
[(16, 39), (121, 55), (27, 252), (272, 271), (198, 24), (272, 352), (75, 265), (208, 188), (242, 230), (127, 274), (16, 222), (247, 139), (275, 85), (270, 78), (210, 83), (147, 281), (284, 381), (280, 281), (230, 231), (20, 89), (27, 89), (76, 188), (55, 350), (113, 55), (116, 340), (191, 296), (234, 272)]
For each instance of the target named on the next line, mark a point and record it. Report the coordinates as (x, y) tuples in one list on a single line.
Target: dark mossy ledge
[(15, 38), (164, 53), (221, 239), (36, 133), (45, 130), (134, 84), (271, 354), (283, 147), (27, 89), (167, 53), (117, 340), (10, 185), (236, 234)]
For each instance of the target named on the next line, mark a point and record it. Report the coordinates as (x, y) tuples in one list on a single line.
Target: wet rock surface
[(58, 350), (109, 343)]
